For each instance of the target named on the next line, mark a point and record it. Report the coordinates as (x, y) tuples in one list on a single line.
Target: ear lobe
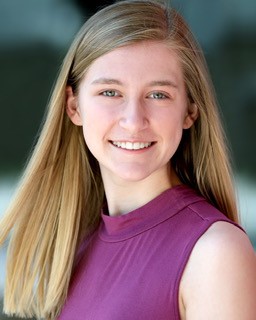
[(191, 116), (72, 107)]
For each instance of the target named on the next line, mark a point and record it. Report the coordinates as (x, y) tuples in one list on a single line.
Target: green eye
[(158, 95), (109, 93)]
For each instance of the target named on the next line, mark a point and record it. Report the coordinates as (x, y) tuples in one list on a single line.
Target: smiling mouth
[(132, 145)]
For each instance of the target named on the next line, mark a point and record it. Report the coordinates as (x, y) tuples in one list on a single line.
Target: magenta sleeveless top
[(132, 266)]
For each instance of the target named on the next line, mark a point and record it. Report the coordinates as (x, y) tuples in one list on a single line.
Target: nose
[(134, 117)]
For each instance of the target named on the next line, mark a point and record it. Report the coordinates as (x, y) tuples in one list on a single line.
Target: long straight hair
[(59, 198)]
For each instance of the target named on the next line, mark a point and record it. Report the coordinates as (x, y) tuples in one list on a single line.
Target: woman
[(127, 208)]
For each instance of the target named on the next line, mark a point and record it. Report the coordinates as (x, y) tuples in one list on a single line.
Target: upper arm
[(219, 281)]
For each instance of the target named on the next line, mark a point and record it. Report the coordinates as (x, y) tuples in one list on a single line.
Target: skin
[(136, 94), (219, 281)]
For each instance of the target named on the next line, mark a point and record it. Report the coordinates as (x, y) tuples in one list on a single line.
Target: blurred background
[(35, 36)]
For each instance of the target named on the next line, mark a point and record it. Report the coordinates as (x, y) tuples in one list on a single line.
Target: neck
[(126, 196)]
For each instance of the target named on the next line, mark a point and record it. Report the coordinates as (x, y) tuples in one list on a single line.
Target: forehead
[(144, 60)]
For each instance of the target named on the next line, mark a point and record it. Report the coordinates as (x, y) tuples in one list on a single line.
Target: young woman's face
[(133, 107)]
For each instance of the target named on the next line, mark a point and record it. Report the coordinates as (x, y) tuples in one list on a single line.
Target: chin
[(126, 174), (133, 173)]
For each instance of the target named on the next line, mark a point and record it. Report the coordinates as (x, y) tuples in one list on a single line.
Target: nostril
[(134, 122)]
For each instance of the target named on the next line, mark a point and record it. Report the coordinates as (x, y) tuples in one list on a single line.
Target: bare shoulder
[(227, 237), (219, 281)]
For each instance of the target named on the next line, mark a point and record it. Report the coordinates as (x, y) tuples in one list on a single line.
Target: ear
[(72, 107), (191, 116)]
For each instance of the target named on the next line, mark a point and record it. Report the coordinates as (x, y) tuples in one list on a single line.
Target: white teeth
[(132, 145)]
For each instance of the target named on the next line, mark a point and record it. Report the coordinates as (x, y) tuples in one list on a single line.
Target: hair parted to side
[(60, 195)]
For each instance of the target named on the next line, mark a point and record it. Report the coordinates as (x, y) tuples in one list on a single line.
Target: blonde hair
[(60, 195)]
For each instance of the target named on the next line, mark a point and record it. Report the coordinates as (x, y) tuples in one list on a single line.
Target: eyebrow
[(106, 81), (161, 83)]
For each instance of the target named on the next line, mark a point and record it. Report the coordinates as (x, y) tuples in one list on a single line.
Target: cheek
[(93, 132), (172, 129), (174, 140), (91, 141), (90, 133), (88, 129), (171, 123)]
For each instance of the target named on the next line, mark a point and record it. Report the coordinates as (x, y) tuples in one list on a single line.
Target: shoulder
[(219, 281)]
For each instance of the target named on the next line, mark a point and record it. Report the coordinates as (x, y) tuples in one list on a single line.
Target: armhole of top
[(188, 251)]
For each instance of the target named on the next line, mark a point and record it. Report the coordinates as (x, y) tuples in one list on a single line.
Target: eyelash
[(157, 93), (106, 93)]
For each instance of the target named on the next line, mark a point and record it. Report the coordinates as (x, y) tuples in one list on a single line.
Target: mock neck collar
[(159, 209)]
